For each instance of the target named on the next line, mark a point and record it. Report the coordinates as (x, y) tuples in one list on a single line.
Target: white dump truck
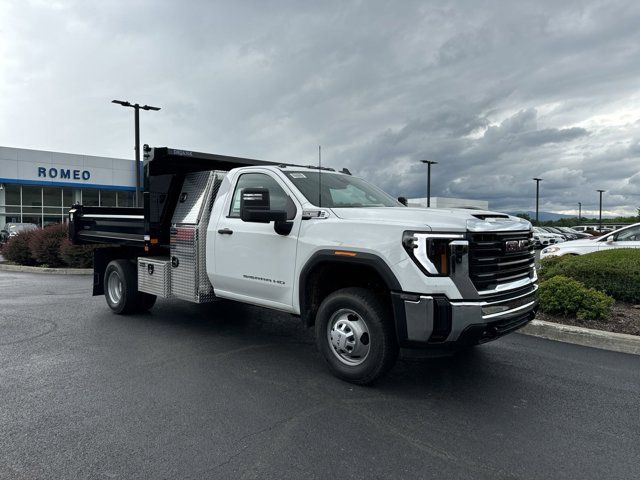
[(370, 274)]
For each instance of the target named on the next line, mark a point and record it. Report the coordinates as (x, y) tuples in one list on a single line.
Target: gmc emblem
[(512, 246)]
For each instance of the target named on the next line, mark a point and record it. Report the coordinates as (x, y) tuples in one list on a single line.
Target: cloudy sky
[(497, 92)]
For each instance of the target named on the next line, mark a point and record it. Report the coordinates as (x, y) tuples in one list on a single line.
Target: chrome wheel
[(348, 336), (114, 287)]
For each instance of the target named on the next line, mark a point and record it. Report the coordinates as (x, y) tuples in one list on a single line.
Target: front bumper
[(424, 320)]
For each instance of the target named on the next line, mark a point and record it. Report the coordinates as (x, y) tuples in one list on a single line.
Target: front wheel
[(354, 333)]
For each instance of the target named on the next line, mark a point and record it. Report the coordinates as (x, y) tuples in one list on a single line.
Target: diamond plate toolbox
[(154, 276), (188, 237)]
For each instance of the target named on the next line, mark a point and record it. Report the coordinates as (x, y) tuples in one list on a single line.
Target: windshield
[(340, 191)]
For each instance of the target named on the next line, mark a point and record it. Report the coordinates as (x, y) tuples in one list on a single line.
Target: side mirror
[(610, 239), (403, 201), (255, 207)]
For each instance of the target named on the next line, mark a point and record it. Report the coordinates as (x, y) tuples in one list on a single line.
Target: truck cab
[(368, 273)]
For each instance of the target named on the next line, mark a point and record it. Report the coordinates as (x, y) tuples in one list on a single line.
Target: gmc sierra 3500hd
[(371, 274)]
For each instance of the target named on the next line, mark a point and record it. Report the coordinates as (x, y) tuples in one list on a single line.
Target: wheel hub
[(348, 336), (114, 287)]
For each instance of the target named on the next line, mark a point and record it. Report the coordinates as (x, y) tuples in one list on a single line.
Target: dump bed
[(148, 227), (107, 225)]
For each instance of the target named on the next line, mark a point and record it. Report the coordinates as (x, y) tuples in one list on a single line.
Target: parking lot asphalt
[(231, 391)]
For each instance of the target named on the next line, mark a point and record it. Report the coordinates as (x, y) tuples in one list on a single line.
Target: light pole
[(600, 217), (429, 163), (136, 107), (579, 212), (538, 180)]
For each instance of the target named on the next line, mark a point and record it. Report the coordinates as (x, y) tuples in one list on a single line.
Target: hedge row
[(615, 272), (49, 247), (565, 296)]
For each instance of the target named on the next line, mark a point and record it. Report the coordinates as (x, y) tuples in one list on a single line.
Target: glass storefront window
[(107, 198), (52, 197), (31, 196), (12, 194), (90, 197), (11, 217), (51, 220), (68, 197), (53, 210), (12, 210), (32, 215), (126, 198)]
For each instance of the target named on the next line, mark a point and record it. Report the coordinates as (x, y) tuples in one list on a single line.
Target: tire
[(145, 301), (355, 335), (122, 293)]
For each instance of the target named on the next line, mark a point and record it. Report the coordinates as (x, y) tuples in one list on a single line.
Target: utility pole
[(538, 180), (136, 107), (579, 212), (600, 217), (429, 163)]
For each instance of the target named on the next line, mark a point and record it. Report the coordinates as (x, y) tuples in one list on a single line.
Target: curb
[(617, 342), (55, 271)]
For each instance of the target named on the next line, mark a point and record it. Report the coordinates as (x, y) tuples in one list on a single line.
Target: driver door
[(253, 263)]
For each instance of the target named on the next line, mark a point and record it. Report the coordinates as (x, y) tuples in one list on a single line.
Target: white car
[(627, 237), (542, 238)]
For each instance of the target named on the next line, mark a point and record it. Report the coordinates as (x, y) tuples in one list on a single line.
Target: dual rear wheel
[(121, 289)]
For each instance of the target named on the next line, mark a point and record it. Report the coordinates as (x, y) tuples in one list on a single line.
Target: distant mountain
[(544, 216)]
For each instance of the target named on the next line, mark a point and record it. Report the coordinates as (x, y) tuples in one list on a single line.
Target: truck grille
[(500, 257)]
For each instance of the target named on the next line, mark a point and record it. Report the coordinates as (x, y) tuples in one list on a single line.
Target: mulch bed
[(624, 318)]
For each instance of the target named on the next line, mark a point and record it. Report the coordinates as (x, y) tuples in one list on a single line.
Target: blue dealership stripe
[(66, 184)]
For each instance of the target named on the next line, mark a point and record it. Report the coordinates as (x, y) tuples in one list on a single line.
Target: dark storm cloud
[(496, 92)]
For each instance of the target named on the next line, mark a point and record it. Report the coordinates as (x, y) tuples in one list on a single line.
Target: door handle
[(225, 231)]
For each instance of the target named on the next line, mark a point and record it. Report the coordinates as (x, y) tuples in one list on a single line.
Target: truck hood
[(453, 219)]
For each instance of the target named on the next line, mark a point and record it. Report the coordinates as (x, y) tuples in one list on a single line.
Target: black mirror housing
[(255, 206)]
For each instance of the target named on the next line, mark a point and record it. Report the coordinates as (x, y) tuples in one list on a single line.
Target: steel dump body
[(165, 170)]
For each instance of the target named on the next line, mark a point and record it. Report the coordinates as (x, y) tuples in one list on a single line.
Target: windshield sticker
[(297, 175)]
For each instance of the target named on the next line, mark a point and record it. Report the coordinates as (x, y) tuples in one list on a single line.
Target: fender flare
[(361, 259)]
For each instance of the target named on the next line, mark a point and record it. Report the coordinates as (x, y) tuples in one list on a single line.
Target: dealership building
[(38, 186)]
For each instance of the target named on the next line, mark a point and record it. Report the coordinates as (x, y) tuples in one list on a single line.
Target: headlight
[(550, 249), (430, 251)]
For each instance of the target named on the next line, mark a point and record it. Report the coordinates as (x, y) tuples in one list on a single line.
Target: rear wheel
[(145, 301), (121, 289), (354, 333)]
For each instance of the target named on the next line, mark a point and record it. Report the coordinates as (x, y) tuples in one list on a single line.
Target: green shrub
[(615, 272), (77, 256), (17, 249), (45, 245), (564, 296), (549, 267)]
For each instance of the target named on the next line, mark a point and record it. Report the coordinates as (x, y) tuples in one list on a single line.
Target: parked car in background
[(627, 237), (575, 233), (13, 229), (581, 228), (557, 231), (543, 238)]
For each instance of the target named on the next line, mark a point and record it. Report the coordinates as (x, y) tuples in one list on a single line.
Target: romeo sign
[(64, 173)]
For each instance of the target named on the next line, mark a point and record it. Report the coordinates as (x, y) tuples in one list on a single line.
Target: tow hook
[(490, 332)]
